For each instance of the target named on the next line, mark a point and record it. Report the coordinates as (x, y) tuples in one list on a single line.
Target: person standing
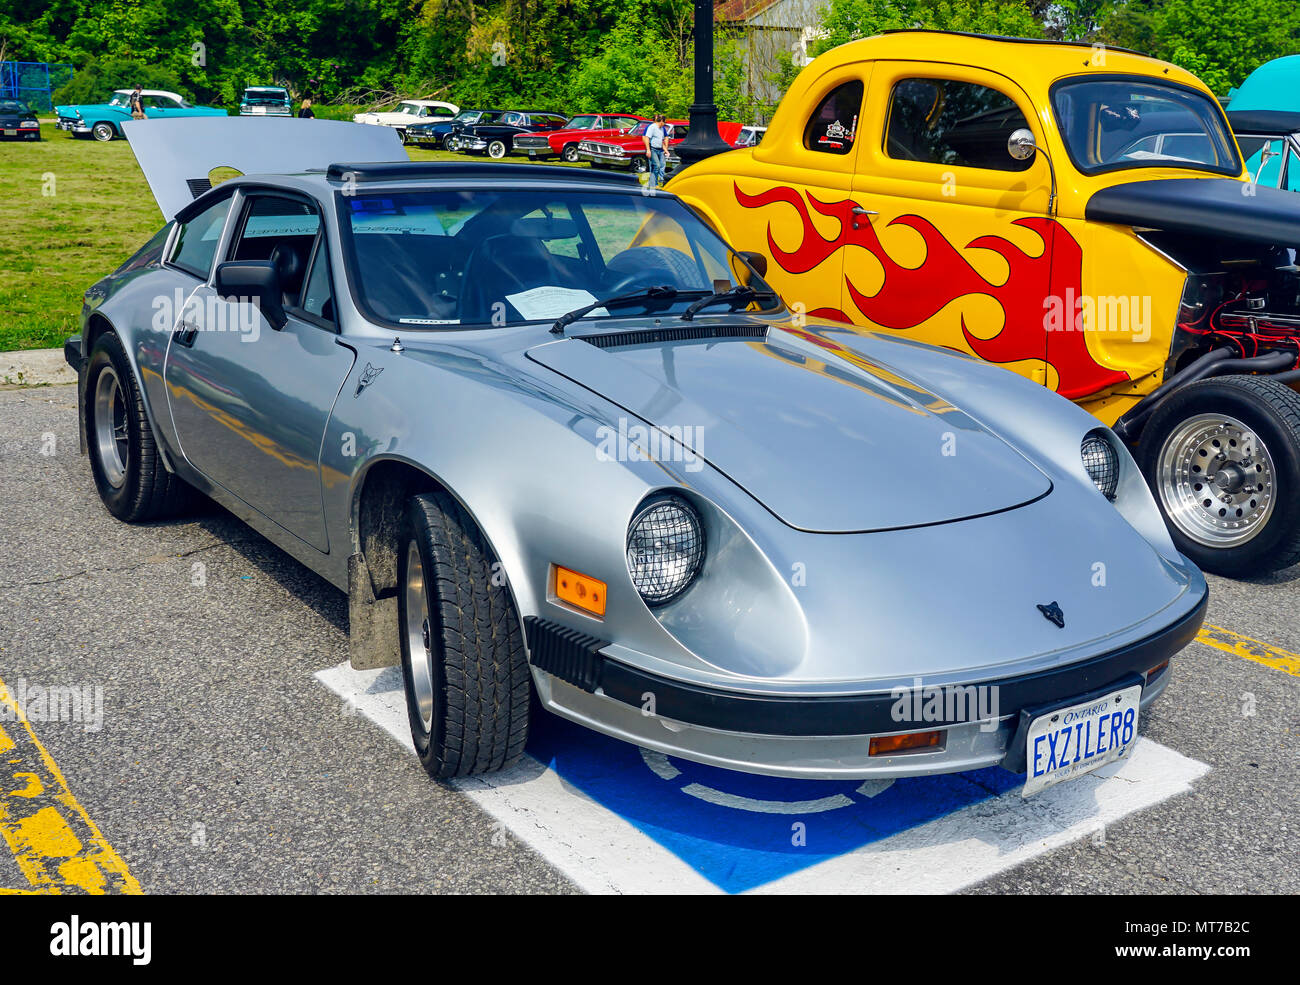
[(137, 103), (305, 112), (656, 140)]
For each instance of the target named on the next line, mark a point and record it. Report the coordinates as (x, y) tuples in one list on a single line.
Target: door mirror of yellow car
[(1020, 145)]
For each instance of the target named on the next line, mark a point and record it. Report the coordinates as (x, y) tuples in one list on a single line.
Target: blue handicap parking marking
[(739, 830)]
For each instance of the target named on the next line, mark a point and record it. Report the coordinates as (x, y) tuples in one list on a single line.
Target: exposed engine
[(1237, 294)]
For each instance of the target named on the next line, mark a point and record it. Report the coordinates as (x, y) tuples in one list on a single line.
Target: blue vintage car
[(103, 121), (265, 101)]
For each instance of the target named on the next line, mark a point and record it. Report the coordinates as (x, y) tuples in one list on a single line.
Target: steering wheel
[(616, 282)]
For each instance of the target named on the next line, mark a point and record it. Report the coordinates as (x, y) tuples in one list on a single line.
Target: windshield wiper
[(663, 291), (741, 292)]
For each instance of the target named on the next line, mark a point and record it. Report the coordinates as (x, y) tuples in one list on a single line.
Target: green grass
[(71, 211)]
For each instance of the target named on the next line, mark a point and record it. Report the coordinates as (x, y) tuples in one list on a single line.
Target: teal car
[(265, 101), (104, 121), (1265, 116)]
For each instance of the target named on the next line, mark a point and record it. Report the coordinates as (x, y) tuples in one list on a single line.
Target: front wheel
[(124, 458), (640, 165), (103, 132), (463, 659), (570, 154), (497, 150), (1223, 459)]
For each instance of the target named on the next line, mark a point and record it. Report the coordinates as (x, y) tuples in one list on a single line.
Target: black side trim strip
[(868, 714), (569, 654)]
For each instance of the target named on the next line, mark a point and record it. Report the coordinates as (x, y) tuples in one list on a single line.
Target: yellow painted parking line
[(55, 844), (1249, 649)]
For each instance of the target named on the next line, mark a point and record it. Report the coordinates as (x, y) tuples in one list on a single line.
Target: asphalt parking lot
[(221, 748)]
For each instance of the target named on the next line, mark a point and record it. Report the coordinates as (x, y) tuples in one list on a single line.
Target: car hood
[(1210, 206), (826, 443)]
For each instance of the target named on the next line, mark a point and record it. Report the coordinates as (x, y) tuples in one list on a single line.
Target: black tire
[(1269, 410), (569, 154), (474, 676), (640, 165), (143, 489), (103, 132)]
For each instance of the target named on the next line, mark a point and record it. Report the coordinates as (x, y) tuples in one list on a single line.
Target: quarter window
[(834, 124), (962, 124), (196, 241)]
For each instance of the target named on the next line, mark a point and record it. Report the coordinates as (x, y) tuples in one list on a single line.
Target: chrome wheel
[(103, 131), (497, 150), (419, 642), (112, 441), (571, 154), (1216, 480)]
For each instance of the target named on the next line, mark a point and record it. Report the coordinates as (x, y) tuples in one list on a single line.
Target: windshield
[(583, 123), (15, 106), (494, 257), (120, 99), (1109, 124), (410, 109), (469, 116)]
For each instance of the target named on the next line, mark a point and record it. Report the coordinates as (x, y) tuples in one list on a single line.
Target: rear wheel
[(124, 459), (496, 149), (1223, 458), (103, 131), (463, 658)]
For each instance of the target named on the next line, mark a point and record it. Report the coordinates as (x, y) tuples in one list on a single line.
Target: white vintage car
[(410, 111)]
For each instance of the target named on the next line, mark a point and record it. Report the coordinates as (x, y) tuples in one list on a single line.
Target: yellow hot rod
[(1080, 215)]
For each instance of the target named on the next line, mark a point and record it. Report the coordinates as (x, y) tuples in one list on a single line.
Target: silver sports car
[(567, 452)]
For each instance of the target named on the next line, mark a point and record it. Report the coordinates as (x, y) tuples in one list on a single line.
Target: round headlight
[(1101, 462), (665, 549)]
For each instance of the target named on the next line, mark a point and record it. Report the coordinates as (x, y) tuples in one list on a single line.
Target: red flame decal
[(911, 295)]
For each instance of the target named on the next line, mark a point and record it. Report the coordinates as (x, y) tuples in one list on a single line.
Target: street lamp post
[(703, 140)]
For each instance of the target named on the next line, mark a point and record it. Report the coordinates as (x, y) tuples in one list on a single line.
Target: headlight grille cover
[(665, 548), (1101, 462)]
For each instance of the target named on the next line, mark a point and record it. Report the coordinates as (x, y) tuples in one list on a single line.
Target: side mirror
[(253, 280), (756, 260), (1020, 145)]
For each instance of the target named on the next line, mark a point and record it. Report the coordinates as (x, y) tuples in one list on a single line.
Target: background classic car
[(563, 143), (470, 484), (407, 112), (104, 121), (627, 150), (440, 134), (1080, 221), (496, 138), (18, 121), (265, 101)]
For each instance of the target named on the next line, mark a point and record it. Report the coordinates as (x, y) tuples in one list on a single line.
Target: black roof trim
[(1277, 121), (1004, 37), (414, 170)]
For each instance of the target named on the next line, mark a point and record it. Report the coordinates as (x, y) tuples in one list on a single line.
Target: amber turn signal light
[(884, 744), (580, 591)]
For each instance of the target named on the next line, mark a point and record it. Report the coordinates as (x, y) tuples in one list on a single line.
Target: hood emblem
[(370, 374), (1052, 613)]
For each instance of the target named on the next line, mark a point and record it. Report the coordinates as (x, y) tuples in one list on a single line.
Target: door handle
[(185, 334), (859, 212)]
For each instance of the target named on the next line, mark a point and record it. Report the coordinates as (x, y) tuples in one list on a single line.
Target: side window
[(196, 241), (834, 124), (317, 298), (1292, 181), (282, 230), (942, 121)]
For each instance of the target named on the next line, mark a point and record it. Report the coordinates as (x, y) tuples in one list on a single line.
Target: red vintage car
[(564, 143), (628, 150)]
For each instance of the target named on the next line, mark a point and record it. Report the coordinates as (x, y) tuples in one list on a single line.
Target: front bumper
[(72, 126), (616, 160), (471, 144), (822, 737)]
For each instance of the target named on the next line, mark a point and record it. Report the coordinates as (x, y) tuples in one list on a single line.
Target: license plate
[(1070, 742), (532, 153), (11, 133)]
